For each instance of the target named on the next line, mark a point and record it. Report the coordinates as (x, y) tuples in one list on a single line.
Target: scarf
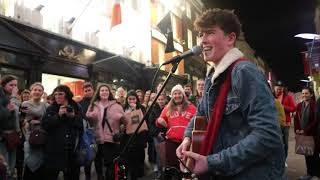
[(216, 115)]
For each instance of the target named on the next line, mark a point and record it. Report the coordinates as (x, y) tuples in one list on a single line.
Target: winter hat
[(177, 87)]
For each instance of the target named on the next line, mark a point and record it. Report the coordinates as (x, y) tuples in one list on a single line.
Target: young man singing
[(243, 137)]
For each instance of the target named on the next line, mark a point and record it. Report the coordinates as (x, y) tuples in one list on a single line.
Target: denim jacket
[(248, 145)]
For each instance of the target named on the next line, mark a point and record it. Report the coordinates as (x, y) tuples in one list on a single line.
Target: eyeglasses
[(132, 99), (59, 94)]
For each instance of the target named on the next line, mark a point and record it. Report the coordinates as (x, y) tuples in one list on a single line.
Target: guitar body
[(198, 134)]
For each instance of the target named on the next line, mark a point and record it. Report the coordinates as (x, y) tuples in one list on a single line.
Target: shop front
[(35, 55)]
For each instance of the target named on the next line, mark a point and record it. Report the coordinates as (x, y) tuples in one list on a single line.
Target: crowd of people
[(61, 118), (247, 122)]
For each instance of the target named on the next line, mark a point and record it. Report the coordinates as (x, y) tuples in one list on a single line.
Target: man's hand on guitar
[(200, 165), (184, 146)]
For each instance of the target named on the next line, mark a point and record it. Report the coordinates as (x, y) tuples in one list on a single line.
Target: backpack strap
[(105, 120)]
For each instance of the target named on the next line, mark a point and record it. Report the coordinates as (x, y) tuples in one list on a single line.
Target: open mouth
[(206, 49)]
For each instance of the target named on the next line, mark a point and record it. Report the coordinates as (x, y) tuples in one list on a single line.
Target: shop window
[(158, 54), (19, 74), (198, 39), (188, 10), (176, 28), (190, 42), (197, 15), (50, 82)]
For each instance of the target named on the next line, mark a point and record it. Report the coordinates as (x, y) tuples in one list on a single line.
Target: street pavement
[(296, 164)]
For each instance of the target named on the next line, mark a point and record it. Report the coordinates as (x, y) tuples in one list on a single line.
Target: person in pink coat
[(106, 115)]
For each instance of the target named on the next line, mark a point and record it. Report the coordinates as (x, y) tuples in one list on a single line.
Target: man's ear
[(232, 37)]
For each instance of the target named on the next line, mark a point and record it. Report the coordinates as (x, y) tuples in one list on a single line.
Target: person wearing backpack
[(84, 103)]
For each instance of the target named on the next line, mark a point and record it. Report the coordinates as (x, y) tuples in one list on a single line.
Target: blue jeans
[(10, 157), (285, 138)]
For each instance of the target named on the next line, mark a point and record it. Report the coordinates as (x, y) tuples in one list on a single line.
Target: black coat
[(155, 113), (62, 133), (7, 118), (84, 103)]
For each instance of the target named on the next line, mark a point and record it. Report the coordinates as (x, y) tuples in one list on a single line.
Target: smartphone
[(24, 108)]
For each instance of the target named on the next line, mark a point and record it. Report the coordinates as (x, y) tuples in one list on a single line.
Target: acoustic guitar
[(198, 134)]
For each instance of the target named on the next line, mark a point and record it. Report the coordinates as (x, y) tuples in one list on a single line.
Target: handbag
[(167, 152), (12, 140), (304, 145), (37, 137), (133, 118)]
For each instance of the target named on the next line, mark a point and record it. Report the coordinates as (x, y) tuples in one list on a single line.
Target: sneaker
[(285, 164)]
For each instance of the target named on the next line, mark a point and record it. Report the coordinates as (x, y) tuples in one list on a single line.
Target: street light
[(308, 36), (314, 38), (306, 81)]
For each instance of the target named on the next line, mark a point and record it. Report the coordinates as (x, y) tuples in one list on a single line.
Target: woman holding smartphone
[(34, 110), (9, 124), (63, 124)]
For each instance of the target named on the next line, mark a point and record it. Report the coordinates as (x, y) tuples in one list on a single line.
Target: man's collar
[(231, 56)]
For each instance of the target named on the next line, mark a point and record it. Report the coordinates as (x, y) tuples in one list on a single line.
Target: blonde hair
[(172, 105), (36, 84)]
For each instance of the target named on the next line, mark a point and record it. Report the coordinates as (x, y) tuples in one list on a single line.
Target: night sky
[(269, 28)]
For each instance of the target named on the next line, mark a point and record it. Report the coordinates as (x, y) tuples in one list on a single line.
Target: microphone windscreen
[(197, 50)]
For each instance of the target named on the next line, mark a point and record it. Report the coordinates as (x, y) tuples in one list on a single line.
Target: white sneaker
[(285, 164)]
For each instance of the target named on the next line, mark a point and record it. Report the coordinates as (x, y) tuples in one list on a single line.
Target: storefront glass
[(50, 82), (20, 74)]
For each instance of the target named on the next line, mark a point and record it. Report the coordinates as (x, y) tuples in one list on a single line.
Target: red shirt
[(177, 122), (289, 107)]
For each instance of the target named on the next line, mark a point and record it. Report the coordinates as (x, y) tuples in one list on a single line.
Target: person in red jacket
[(175, 117), (289, 107)]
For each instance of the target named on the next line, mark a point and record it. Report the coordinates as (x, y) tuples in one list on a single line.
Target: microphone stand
[(125, 149)]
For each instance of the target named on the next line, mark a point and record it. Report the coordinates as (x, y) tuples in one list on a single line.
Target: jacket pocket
[(233, 103), (233, 119)]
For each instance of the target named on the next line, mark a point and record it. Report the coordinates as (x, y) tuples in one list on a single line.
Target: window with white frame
[(190, 43), (188, 10)]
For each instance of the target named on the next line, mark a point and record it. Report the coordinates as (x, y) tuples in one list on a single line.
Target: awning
[(123, 66)]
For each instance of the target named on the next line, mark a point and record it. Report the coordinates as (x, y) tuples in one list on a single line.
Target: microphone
[(194, 51)]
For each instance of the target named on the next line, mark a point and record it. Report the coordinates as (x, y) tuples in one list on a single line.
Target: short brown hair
[(187, 85), (6, 79), (224, 19), (87, 84), (66, 90)]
